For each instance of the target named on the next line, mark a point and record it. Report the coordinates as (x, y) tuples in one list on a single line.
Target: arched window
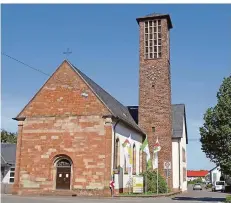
[(134, 159), (117, 154), (140, 161), (144, 161), (63, 163), (125, 167)]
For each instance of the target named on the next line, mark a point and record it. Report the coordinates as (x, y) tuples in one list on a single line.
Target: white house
[(215, 174), (179, 149), (8, 154), (194, 175)]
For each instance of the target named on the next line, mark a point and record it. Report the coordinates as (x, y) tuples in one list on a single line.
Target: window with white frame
[(152, 39), (12, 171)]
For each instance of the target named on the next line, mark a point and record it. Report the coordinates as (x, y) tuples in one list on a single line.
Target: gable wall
[(175, 162), (86, 140), (215, 175), (62, 95), (6, 178), (59, 121), (179, 174), (183, 163)]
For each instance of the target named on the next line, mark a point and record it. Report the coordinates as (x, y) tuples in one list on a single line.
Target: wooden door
[(63, 178)]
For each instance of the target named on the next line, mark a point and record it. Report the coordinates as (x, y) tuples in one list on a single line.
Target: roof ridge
[(115, 107), (97, 84), (154, 14)]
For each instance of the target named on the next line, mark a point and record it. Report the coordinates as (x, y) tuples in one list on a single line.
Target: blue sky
[(104, 42)]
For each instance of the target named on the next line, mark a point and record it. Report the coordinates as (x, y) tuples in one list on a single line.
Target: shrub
[(152, 181), (228, 199), (208, 186)]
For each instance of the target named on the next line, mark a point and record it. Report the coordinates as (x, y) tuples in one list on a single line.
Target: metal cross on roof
[(67, 53)]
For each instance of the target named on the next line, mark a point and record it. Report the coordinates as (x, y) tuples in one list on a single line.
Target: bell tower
[(155, 85)]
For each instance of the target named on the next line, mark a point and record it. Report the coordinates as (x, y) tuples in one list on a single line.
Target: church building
[(71, 133)]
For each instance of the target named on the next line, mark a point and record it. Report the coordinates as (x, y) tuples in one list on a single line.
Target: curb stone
[(150, 196)]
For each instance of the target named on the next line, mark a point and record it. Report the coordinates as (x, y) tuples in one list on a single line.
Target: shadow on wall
[(199, 199), (121, 179), (6, 188)]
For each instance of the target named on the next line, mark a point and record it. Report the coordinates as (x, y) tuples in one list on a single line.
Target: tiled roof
[(8, 153), (178, 117), (201, 173), (115, 107), (156, 16)]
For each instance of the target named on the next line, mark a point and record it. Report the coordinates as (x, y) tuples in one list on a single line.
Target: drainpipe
[(114, 132), (179, 164)]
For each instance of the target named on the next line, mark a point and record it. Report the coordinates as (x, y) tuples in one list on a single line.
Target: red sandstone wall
[(61, 95), (155, 97), (60, 121)]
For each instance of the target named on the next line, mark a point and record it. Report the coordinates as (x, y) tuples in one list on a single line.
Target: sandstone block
[(45, 156), (40, 179), (30, 184), (78, 187), (43, 137), (80, 180)]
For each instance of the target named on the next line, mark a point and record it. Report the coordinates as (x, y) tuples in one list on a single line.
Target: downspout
[(114, 132), (179, 164)]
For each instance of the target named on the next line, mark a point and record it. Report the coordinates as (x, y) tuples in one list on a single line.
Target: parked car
[(218, 186), (197, 186)]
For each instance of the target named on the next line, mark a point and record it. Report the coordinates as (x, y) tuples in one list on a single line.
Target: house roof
[(178, 117), (8, 154), (115, 107), (134, 113), (154, 16), (201, 173), (216, 167), (129, 115)]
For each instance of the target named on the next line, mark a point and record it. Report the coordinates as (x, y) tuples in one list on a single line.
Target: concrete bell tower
[(155, 85)]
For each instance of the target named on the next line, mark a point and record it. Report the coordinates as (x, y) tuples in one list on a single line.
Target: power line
[(194, 140), (40, 71), (35, 69)]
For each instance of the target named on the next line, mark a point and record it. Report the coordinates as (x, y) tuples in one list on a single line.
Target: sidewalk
[(150, 195)]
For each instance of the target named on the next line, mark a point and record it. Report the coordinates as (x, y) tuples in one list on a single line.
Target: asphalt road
[(189, 197)]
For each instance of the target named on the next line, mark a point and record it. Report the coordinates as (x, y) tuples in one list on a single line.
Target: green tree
[(216, 131), (8, 137)]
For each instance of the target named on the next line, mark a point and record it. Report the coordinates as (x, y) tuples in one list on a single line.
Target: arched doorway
[(63, 174)]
